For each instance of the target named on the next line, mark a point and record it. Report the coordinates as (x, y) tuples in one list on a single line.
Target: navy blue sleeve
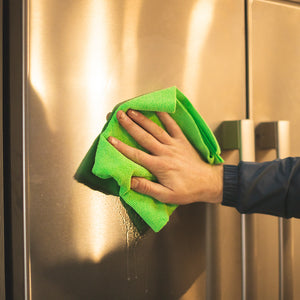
[(269, 187)]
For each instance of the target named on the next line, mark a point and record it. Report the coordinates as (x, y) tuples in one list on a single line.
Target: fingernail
[(132, 112), (112, 140), (134, 182), (120, 114)]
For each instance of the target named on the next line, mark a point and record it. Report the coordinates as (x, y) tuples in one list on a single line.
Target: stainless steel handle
[(276, 135), (240, 135)]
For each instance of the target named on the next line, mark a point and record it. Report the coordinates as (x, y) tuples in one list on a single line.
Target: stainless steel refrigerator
[(65, 65)]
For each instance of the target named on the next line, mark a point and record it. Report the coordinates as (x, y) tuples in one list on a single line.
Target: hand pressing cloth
[(107, 170)]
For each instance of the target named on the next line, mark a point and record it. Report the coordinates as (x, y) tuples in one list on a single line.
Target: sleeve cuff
[(230, 185)]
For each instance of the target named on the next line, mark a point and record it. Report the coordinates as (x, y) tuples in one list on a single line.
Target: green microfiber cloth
[(107, 170)]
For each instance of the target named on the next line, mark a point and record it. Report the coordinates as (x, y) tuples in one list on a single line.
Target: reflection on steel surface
[(199, 28), (86, 69), (85, 57)]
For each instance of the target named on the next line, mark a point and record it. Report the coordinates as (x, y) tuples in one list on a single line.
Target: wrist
[(219, 183), (216, 185)]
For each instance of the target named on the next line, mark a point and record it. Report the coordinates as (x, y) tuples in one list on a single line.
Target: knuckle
[(168, 152), (167, 165), (161, 133), (137, 156), (164, 165), (144, 187)]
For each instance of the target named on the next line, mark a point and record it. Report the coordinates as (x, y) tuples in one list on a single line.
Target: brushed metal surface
[(239, 135), (276, 135), (83, 58), (223, 247), (284, 226), (275, 88), (284, 1), (247, 153)]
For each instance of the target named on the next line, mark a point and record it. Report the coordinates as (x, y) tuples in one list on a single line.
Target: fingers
[(145, 139), (155, 130), (108, 116), (136, 155), (153, 189), (170, 124)]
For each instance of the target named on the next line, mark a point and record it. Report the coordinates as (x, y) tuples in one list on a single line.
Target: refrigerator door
[(80, 59), (274, 47), (234, 135)]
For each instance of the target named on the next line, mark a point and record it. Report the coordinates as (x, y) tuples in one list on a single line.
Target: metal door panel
[(83, 57), (275, 89)]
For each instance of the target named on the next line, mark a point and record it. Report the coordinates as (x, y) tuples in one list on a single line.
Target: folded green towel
[(107, 170)]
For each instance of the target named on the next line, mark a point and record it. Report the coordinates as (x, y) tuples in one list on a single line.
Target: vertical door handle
[(276, 135), (240, 135)]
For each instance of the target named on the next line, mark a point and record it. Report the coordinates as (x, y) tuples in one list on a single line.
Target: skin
[(182, 174)]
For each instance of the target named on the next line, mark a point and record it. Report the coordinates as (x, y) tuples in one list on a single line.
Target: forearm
[(269, 187)]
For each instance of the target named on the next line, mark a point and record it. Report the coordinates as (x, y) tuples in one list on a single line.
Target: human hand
[(183, 177)]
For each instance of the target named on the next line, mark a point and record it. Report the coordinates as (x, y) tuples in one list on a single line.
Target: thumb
[(150, 188)]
